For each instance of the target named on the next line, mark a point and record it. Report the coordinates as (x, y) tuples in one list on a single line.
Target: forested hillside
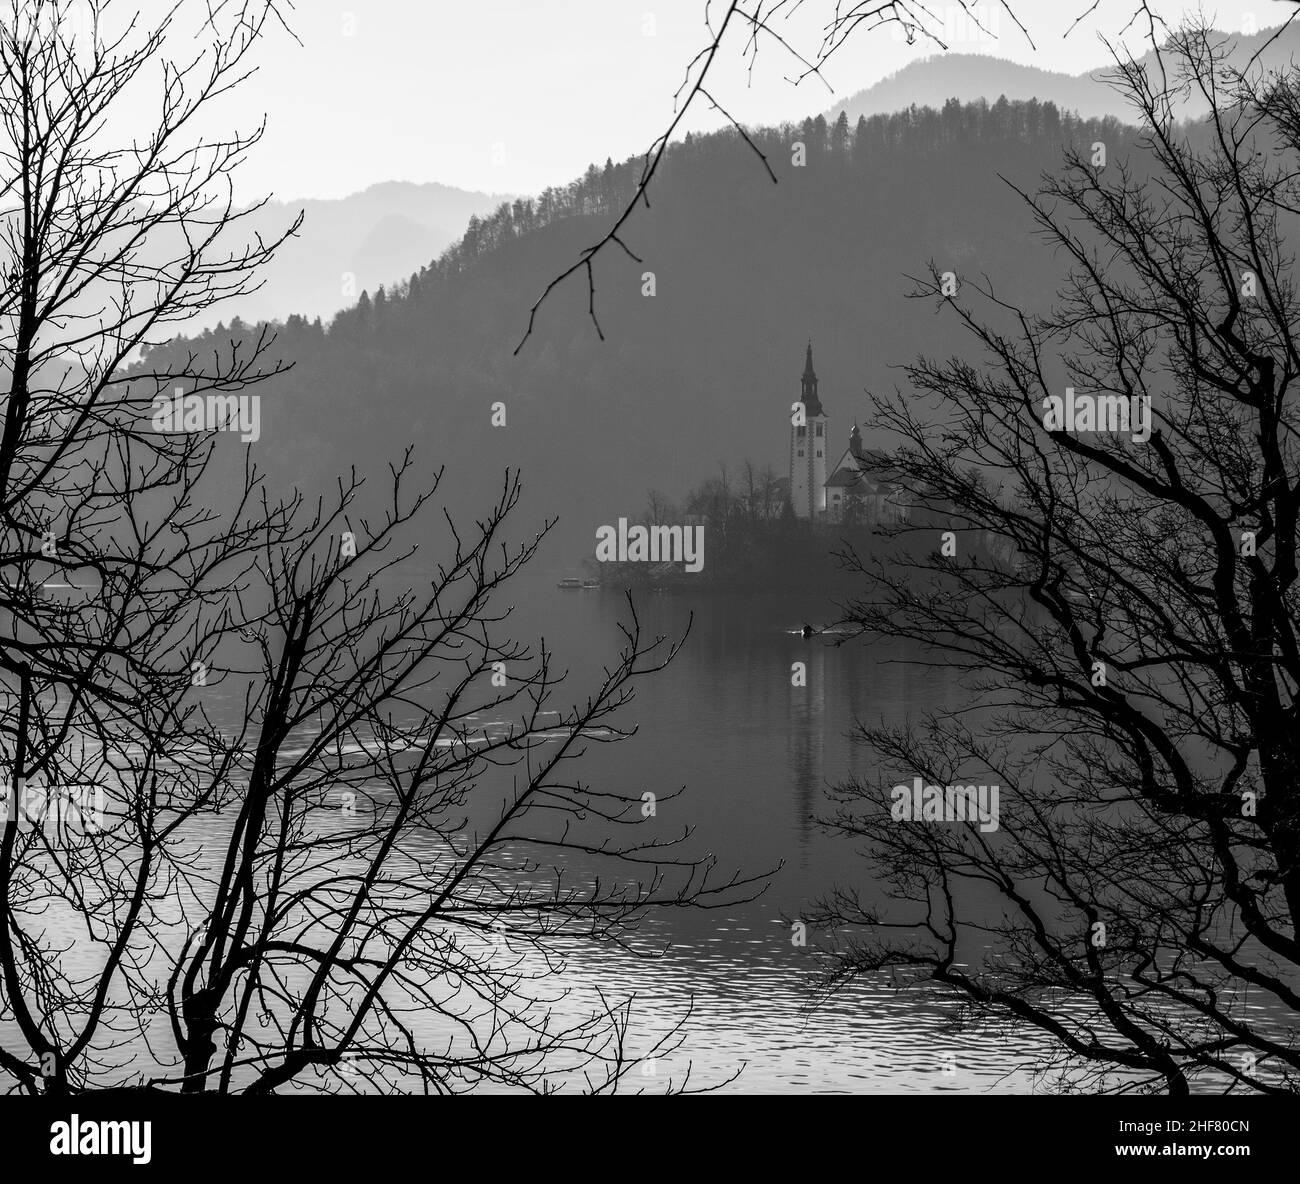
[(704, 370)]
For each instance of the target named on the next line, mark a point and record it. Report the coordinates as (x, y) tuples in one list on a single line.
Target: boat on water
[(569, 582), (590, 585)]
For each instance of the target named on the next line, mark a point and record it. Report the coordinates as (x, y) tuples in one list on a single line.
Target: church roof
[(869, 469), (844, 477)]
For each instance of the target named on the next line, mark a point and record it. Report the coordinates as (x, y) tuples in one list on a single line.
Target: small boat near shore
[(571, 582)]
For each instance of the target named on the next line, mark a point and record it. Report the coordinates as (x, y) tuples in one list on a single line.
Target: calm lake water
[(755, 755)]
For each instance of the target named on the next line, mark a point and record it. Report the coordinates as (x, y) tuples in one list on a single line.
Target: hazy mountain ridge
[(967, 77), (349, 245)]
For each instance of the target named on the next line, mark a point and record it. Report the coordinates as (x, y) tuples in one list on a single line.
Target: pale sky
[(510, 96)]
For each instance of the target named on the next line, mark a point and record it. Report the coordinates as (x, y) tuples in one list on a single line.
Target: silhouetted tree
[(1129, 636), (268, 822)]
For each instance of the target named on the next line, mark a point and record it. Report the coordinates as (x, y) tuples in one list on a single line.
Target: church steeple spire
[(812, 403), (808, 440)]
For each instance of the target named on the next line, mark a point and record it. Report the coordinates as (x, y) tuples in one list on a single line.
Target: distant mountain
[(349, 245), (967, 77)]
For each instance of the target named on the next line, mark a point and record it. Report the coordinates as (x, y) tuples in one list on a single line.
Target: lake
[(754, 754)]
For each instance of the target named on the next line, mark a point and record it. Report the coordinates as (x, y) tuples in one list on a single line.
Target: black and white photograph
[(742, 551)]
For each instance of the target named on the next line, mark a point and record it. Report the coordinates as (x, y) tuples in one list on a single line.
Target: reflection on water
[(755, 753), (750, 1029)]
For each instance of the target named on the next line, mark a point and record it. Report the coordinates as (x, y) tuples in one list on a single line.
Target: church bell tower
[(808, 448)]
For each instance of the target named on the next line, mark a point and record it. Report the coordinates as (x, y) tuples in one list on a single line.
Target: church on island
[(858, 489)]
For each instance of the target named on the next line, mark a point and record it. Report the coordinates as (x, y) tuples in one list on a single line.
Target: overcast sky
[(514, 95)]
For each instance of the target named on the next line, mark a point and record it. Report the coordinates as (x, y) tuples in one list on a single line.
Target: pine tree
[(840, 136)]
